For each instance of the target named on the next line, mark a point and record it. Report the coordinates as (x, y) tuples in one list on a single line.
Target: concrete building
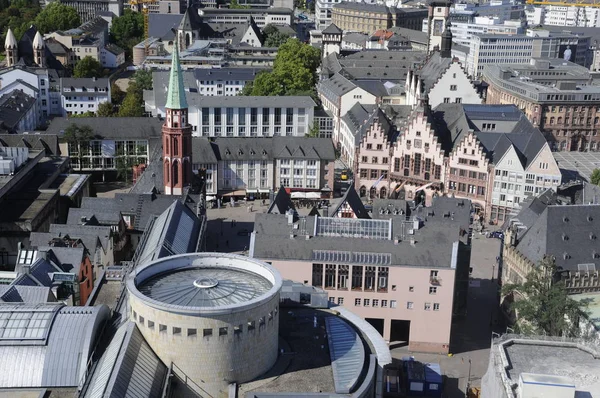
[(568, 15), (556, 95), (538, 365), (262, 17), (368, 18), (184, 307), (488, 49), (216, 81), (238, 116), (112, 56), (81, 95), (545, 227), (463, 32), (385, 281), (87, 9)]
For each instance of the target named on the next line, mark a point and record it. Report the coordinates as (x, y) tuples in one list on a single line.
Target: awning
[(251, 190), (298, 195), (264, 190), (211, 198), (235, 193), (313, 195)]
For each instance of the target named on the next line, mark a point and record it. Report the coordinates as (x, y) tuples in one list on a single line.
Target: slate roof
[(175, 231), (93, 237), (335, 87), (111, 127), (114, 49), (160, 25), (93, 217), (90, 84), (352, 199), (242, 74), (332, 29), (568, 232), (432, 70), (361, 117), (38, 142), (69, 259), (454, 121), (128, 368), (281, 203), (433, 241), (47, 358), (13, 107), (141, 206), (17, 293), (262, 148)]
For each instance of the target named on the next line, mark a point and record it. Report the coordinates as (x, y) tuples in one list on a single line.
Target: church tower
[(39, 49), (439, 12), (176, 133), (12, 52)]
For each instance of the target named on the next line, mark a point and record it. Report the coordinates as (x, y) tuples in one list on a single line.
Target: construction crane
[(145, 9), (592, 3)]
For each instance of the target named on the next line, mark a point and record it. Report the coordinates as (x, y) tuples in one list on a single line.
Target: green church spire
[(176, 94)]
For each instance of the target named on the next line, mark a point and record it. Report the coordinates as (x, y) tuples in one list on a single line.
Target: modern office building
[(495, 49), (557, 96), (376, 265), (463, 32), (262, 17), (87, 9)]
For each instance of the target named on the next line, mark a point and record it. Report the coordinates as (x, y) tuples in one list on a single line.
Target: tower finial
[(176, 94)]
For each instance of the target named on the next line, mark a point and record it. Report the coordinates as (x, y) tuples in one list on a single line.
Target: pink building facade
[(371, 177)]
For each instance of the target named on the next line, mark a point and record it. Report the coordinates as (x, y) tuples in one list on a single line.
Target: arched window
[(167, 171), (383, 193), (175, 146), (175, 173)]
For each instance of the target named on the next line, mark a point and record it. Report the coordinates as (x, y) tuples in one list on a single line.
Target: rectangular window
[(253, 116), (367, 302), (432, 290), (141, 320), (375, 303), (265, 115), (382, 280), (150, 323), (392, 303), (384, 303), (223, 331), (436, 306), (207, 332), (357, 277), (417, 166), (343, 272), (162, 328), (238, 329), (427, 306), (329, 276), (217, 112), (251, 325), (453, 87), (289, 116), (340, 301), (277, 116), (317, 275), (242, 116), (192, 332), (357, 302), (409, 305), (176, 331)]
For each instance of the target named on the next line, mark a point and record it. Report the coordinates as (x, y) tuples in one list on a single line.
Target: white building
[(257, 166), (262, 17), (112, 56), (520, 49), (35, 82), (463, 32), (81, 95), (19, 112), (559, 15), (240, 116)]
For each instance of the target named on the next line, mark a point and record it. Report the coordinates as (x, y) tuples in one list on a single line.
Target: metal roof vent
[(590, 218), (565, 219), (565, 237), (592, 236)]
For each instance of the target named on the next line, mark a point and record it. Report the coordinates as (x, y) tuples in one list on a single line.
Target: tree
[(84, 114), (116, 94), (314, 130), (143, 79), (276, 39), (87, 67), (294, 72), (235, 4), (57, 16), (541, 304), (105, 109), (130, 24), (124, 166), (133, 102), (78, 137), (595, 178)]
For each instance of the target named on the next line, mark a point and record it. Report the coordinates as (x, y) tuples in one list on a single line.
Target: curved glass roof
[(205, 287)]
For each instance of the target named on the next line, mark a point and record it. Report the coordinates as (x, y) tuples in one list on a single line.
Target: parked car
[(496, 234)]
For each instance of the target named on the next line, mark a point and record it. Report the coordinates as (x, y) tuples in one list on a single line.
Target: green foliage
[(541, 304), (276, 39), (143, 79), (314, 130), (87, 67), (85, 114), (116, 94), (17, 15), (235, 4), (57, 16), (294, 72), (78, 138), (105, 109), (133, 102), (124, 166), (127, 30), (595, 178)]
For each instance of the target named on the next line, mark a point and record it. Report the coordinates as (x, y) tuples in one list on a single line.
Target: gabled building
[(444, 80), (567, 233), (18, 112), (350, 206), (81, 95)]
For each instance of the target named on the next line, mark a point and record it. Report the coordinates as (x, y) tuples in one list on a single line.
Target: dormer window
[(240, 152), (227, 152)]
